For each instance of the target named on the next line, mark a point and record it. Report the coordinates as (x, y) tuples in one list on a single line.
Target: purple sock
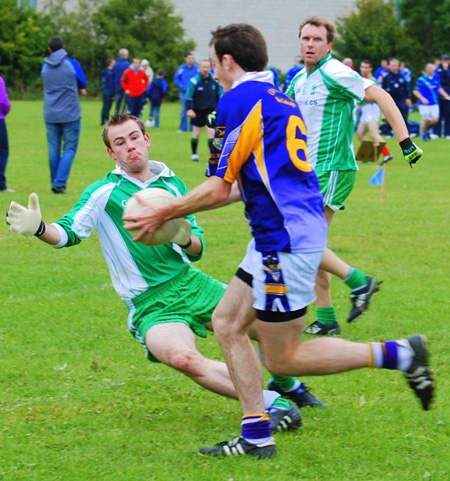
[(256, 428)]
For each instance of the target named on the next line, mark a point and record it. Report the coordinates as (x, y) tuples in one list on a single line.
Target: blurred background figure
[(119, 68), (156, 93), (108, 89), (5, 107)]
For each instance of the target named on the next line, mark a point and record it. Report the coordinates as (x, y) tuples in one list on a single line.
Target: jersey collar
[(263, 76)]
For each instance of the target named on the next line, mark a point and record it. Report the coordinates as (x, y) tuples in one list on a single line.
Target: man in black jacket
[(201, 99)]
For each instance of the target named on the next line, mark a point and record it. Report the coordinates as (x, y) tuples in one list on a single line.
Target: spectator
[(427, 90), (201, 100), (134, 82), (5, 107), (406, 72), (156, 93), (119, 68), (108, 89), (63, 80), (145, 66), (382, 69), (395, 84), (349, 62), (298, 65), (182, 78), (443, 71)]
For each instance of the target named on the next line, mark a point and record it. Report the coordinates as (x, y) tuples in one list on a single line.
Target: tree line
[(415, 32)]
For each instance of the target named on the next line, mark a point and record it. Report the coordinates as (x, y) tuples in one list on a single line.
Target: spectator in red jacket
[(134, 82)]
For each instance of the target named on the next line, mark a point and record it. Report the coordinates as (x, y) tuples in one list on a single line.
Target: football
[(166, 232)]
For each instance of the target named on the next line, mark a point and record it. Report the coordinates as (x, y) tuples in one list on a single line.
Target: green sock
[(326, 315), (194, 143), (284, 382), (280, 403), (356, 279)]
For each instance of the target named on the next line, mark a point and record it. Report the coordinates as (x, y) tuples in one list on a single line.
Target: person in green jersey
[(170, 301), (326, 92)]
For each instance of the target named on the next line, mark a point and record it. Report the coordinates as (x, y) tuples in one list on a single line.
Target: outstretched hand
[(22, 220)]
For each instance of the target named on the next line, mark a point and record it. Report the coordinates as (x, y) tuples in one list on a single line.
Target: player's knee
[(187, 362), (323, 280), (277, 365)]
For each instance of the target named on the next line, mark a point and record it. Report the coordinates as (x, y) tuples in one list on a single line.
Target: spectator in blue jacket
[(119, 68), (443, 71), (109, 90), (427, 90), (182, 78), (64, 81), (298, 65), (156, 93)]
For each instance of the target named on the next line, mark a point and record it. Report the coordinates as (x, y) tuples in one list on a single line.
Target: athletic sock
[(269, 398), (210, 142), (389, 355), (285, 383), (256, 428), (385, 151), (279, 403), (326, 315), (355, 279), (194, 144)]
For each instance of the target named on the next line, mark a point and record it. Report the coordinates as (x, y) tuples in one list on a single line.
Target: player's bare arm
[(389, 109)]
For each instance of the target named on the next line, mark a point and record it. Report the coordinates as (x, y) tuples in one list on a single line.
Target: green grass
[(79, 401)]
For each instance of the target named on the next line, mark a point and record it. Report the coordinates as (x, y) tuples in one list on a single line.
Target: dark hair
[(108, 61), (368, 62), (160, 72), (320, 22), (119, 119), (187, 55), (244, 43), (55, 43)]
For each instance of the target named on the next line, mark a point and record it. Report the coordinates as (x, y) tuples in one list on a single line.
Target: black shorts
[(200, 119)]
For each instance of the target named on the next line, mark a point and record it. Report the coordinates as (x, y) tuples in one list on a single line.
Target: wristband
[(187, 245), (41, 229)]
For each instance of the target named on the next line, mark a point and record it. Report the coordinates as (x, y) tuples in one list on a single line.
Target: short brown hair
[(244, 43), (119, 119), (320, 22)]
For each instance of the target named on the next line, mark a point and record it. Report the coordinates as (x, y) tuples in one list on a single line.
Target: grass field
[(79, 402)]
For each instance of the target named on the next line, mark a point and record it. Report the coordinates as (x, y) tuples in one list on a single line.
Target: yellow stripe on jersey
[(250, 140), (276, 289)]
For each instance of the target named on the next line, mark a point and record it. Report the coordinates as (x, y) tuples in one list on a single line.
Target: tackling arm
[(211, 194)]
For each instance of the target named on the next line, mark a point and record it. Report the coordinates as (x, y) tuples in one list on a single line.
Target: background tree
[(147, 28), (23, 41), (429, 23), (374, 32)]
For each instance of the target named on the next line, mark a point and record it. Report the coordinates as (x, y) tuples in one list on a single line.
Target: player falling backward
[(169, 301)]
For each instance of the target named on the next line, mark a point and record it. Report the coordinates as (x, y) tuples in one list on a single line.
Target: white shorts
[(370, 113), (283, 283), (429, 112)]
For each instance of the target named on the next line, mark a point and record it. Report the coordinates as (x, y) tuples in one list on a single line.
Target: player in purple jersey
[(260, 146)]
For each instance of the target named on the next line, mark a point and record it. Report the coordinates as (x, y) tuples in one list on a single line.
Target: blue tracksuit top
[(183, 76), (62, 77)]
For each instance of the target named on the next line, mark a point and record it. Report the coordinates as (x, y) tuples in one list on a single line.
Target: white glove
[(22, 220), (183, 235)]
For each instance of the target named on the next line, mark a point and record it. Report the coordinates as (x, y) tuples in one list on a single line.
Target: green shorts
[(336, 186), (190, 297)]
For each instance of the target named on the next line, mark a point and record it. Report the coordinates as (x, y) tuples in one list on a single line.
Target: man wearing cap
[(443, 70)]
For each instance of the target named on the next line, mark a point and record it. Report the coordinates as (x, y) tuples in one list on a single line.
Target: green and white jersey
[(327, 98), (134, 267)]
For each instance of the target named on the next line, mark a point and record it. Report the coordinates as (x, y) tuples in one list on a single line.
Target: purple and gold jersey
[(260, 141)]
